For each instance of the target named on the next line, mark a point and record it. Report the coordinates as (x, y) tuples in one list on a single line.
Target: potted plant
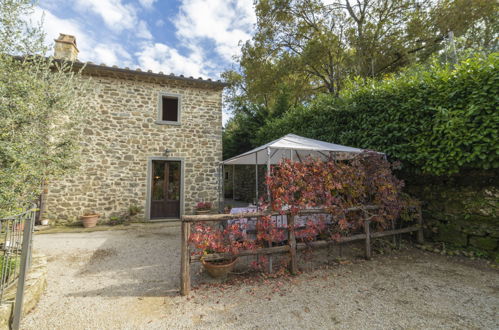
[(218, 248), (219, 268), (89, 219), (203, 208)]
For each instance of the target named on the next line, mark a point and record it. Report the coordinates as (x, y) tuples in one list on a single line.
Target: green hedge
[(436, 119)]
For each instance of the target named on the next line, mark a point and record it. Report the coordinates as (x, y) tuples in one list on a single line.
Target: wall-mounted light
[(166, 152)]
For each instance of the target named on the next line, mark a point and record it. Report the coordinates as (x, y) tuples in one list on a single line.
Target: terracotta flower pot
[(199, 212), (219, 269), (90, 220)]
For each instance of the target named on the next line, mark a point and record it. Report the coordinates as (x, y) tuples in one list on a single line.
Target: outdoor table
[(281, 221), (249, 224)]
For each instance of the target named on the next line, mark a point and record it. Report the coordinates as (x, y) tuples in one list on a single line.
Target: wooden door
[(165, 189)]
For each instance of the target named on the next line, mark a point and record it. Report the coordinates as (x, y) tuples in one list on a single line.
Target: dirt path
[(129, 280)]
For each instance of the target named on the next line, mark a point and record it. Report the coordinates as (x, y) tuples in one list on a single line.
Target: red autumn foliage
[(367, 180), (336, 186), (209, 240)]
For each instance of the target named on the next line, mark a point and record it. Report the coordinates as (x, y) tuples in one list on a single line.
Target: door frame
[(148, 185)]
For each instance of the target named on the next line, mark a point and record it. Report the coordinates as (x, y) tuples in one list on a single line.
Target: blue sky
[(190, 37)]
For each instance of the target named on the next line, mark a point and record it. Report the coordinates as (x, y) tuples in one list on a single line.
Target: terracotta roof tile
[(116, 68)]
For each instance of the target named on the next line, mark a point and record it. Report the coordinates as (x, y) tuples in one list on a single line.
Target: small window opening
[(170, 108)]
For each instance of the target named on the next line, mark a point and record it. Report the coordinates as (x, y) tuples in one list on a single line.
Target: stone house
[(150, 140)]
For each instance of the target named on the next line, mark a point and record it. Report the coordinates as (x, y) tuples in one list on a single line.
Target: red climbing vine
[(350, 191), (338, 186)]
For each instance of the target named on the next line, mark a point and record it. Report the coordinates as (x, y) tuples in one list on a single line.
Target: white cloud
[(142, 31), (224, 22), (147, 3), (160, 57), (54, 25), (112, 54), (117, 15), (199, 25), (108, 52), (51, 5)]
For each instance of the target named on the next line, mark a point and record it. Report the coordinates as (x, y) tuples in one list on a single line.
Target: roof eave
[(79, 65), (138, 72)]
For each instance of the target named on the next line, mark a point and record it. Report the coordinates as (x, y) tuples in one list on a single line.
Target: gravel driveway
[(129, 280)]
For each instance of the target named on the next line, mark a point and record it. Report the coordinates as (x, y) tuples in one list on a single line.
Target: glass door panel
[(158, 181), (173, 181)]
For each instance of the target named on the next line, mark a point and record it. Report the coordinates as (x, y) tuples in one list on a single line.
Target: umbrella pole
[(268, 174), (256, 178), (221, 184), (233, 182), (270, 199)]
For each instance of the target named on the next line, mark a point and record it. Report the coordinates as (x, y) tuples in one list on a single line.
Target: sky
[(191, 37)]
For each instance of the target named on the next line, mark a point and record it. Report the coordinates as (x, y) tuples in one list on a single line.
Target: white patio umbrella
[(292, 147)]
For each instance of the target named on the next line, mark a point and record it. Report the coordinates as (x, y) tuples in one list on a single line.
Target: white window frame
[(159, 119)]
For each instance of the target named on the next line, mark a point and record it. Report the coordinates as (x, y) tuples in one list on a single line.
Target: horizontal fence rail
[(226, 217), (292, 247)]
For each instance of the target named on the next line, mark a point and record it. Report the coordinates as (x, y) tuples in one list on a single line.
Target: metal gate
[(16, 234)]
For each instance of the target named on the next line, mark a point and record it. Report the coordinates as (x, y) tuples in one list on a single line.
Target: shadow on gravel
[(131, 290), (134, 263)]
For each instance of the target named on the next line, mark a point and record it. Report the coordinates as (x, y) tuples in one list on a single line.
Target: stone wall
[(461, 211), (119, 136)]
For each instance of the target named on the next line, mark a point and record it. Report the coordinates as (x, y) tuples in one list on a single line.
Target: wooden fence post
[(420, 237), (185, 263), (293, 265), (367, 231)]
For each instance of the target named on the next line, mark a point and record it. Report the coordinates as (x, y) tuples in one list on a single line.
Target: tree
[(437, 119), (39, 109), (239, 133), (310, 47)]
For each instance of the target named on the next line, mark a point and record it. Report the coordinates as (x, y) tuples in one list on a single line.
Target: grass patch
[(9, 266)]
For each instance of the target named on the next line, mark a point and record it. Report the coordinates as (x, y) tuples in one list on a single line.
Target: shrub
[(365, 183), (116, 220), (361, 183), (134, 210), (437, 119), (208, 240)]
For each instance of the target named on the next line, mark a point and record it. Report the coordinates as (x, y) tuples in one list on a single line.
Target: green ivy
[(436, 119)]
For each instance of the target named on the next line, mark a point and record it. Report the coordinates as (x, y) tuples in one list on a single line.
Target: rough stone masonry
[(121, 133)]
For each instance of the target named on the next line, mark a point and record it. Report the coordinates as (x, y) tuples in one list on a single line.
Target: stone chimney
[(65, 48)]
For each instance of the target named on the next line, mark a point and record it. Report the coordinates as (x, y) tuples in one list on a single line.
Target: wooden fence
[(292, 247)]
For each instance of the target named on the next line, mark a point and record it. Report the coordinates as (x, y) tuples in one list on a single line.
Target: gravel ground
[(129, 279)]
